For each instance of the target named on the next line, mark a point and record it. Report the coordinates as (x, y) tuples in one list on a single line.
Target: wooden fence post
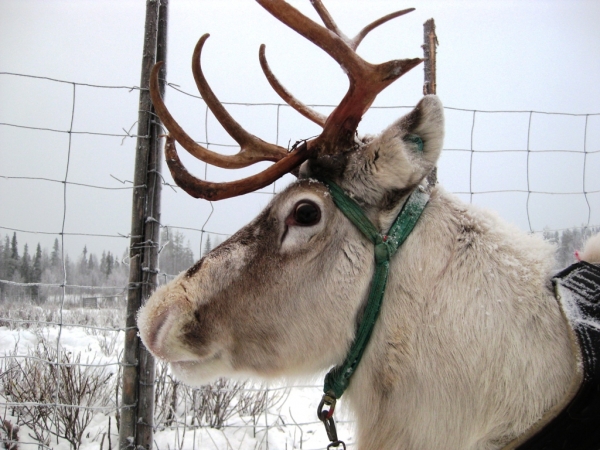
[(136, 425), (430, 43)]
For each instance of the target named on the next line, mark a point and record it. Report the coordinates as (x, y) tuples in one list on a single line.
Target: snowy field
[(86, 388)]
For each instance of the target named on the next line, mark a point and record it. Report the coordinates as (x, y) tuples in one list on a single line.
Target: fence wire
[(47, 338)]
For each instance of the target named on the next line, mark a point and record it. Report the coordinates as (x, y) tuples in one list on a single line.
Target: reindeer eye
[(306, 213)]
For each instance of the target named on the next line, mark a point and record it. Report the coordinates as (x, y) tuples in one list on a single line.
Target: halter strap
[(386, 245)]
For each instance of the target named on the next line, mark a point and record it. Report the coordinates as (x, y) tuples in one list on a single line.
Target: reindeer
[(469, 349)]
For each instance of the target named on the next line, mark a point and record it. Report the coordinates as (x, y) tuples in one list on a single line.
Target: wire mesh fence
[(64, 177)]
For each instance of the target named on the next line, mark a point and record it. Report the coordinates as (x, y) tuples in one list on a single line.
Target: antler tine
[(306, 111), (328, 20), (218, 191), (242, 159), (250, 145), (330, 42), (339, 128), (354, 43), (366, 80)]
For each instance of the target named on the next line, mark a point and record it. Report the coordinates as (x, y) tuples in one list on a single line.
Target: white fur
[(471, 348), (591, 250)]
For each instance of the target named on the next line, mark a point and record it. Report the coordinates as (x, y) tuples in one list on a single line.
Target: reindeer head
[(283, 295)]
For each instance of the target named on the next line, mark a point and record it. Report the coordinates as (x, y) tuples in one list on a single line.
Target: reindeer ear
[(404, 153), (425, 123), (388, 165)]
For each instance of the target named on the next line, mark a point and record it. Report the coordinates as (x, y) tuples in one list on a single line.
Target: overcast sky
[(493, 55)]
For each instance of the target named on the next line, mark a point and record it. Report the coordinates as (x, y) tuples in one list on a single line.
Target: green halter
[(338, 378)]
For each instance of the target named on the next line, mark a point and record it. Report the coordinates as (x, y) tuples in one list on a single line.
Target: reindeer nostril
[(161, 319)]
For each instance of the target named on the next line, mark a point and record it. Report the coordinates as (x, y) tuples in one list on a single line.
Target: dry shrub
[(55, 399), (9, 435), (212, 405)]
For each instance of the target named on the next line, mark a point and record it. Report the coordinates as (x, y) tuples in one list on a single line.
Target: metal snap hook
[(337, 444)]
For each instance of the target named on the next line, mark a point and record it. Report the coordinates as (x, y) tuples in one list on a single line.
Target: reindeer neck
[(385, 246)]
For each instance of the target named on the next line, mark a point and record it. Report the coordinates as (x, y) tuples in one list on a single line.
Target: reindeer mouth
[(187, 363), (198, 371)]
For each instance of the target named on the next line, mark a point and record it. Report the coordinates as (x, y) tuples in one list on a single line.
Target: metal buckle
[(329, 400), (326, 416)]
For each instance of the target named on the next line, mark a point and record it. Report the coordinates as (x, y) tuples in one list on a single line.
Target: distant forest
[(42, 267), (568, 241)]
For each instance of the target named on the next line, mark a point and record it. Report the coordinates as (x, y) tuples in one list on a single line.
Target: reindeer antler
[(339, 128)]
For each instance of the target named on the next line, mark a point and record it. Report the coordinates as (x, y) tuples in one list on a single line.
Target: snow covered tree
[(207, 246), (36, 273), (55, 255), (25, 266), (83, 261), (13, 262), (92, 264), (110, 263), (176, 254), (107, 262), (4, 258)]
